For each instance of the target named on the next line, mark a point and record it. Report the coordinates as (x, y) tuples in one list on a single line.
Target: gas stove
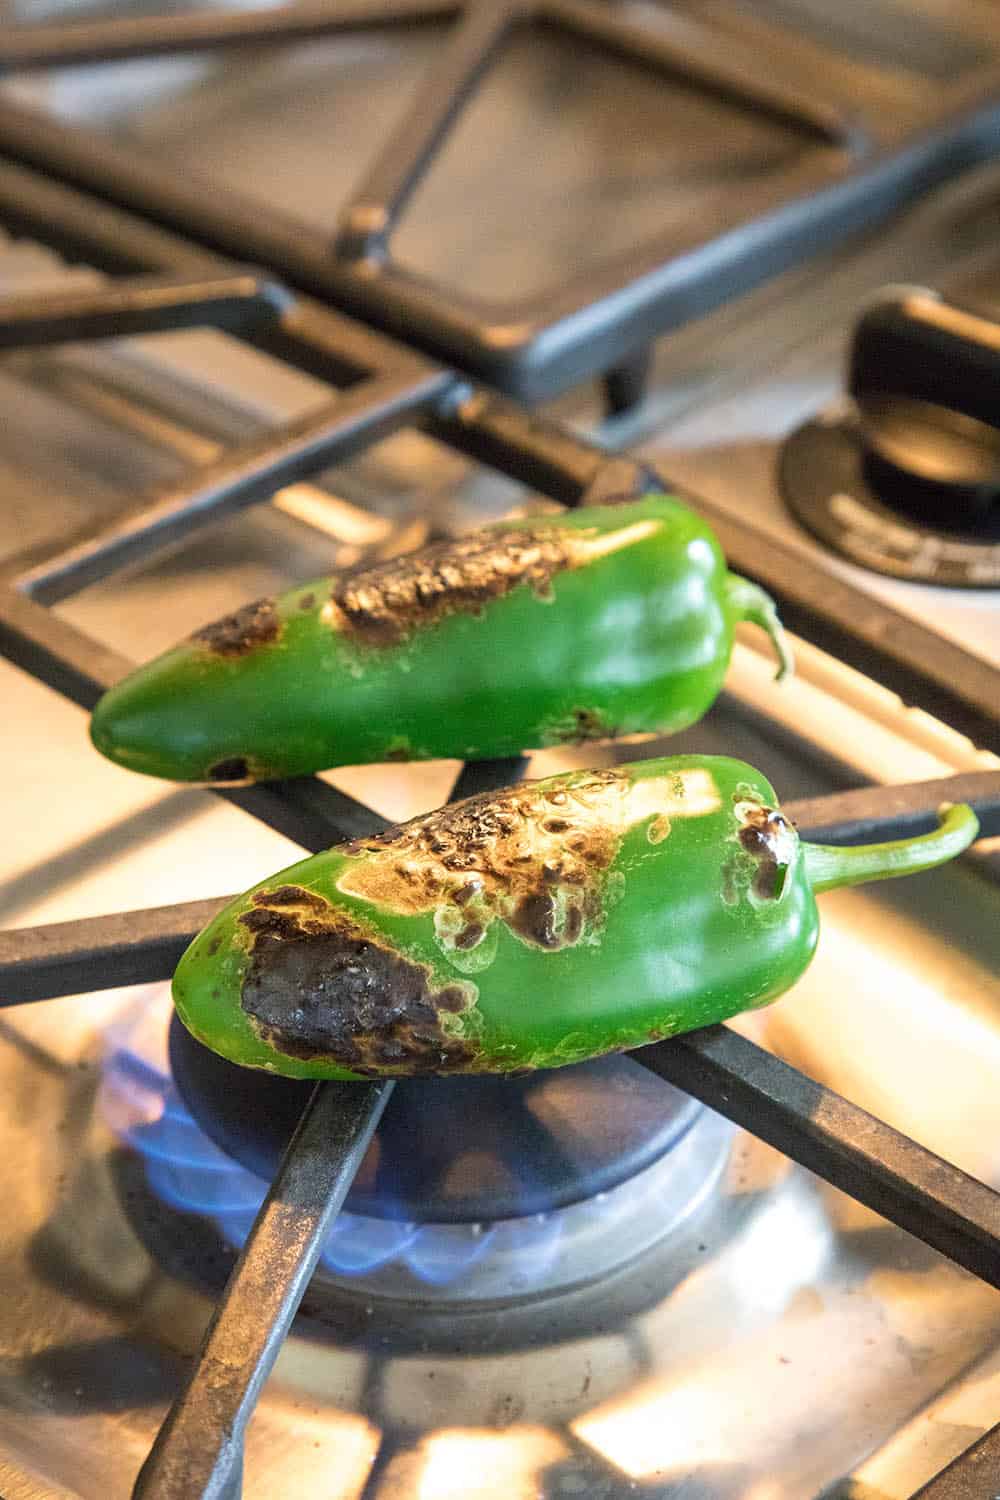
[(759, 1261)]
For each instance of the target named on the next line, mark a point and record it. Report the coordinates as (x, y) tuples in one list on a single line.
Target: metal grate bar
[(848, 1147), (307, 810), (713, 60), (199, 1449), (923, 667), (60, 44), (373, 213), (896, 812), (240, 477), (141, 304), (814, 1126), (63, 958), (973, 1475), (55, 652), (73, 958), (79, 227), (590, 324), (540, 454), (488, 775), (371, 216)]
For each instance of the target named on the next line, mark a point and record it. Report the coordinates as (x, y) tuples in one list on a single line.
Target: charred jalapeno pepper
[(528, 928), (603, 621)]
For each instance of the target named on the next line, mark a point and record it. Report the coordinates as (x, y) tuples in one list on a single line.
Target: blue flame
[(188, 1172)]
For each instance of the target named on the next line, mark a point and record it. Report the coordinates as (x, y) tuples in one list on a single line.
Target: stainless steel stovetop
[(773, 1338)]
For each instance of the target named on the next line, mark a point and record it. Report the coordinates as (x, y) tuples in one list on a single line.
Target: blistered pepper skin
[(530, 928), (554, 921), (605, 621)]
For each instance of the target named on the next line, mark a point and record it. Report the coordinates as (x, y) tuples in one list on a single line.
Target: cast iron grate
[(160, 282), (858, 154)]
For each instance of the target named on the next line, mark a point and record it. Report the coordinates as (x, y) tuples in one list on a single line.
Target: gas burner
[(905, 478), (474, 1190), (456, 1150)]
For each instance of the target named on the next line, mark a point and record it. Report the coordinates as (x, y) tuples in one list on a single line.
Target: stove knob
[(925, 379)]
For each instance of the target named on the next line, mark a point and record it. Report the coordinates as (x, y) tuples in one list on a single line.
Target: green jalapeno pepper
[(610, 620), (540, 925)]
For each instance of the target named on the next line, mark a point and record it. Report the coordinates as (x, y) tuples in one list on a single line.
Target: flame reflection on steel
[(188, 1172), (459, 1463), (513, 1257)]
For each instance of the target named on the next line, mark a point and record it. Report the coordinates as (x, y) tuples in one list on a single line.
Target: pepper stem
[(749, 602), (828, 866)]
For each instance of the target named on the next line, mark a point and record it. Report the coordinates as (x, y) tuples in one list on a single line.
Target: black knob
[(925, 378)]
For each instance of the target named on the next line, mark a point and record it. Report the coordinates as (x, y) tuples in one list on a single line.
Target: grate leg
[(625, 386)]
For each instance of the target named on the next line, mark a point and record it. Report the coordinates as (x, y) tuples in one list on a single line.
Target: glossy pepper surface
[(609, 620), (540, 925)]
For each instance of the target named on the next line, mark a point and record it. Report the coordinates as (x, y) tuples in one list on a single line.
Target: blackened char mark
[(535, 919), (233, 769), (254, 625), (322, 986), (763, 833), (582, 725), (387, 603), (535, 861)]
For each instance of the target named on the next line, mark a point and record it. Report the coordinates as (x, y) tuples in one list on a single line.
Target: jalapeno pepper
[(536, 926), (608, 620)]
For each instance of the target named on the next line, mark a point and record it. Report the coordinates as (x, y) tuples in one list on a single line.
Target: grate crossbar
[(383, 387), (857, 164)]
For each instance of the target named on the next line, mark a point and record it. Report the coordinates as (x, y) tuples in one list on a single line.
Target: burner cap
[(456, 1150), (841, 493)]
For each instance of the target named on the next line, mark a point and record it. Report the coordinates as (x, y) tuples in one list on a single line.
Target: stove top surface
[(638, 119), (774, 1331), (776, 1339)]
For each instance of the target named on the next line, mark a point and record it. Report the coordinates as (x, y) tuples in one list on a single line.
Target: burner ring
[(825, 477), (490, 1148)]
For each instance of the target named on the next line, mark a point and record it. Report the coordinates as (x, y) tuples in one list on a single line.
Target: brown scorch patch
[(254, 625), (501, 855), (533, 856), (385, 604), (766, 835), (322, 985), (579, 726)]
